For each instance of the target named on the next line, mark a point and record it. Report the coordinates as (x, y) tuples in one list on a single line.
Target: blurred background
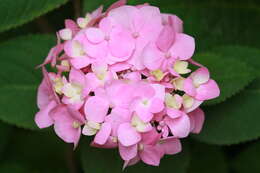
[(227, 42)]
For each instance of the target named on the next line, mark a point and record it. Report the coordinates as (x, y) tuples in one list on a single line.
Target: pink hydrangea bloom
[(123, 77)]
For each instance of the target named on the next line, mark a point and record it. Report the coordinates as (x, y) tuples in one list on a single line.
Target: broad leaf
[(241, 53), (231, 75), (108, 160), (248, 160), (234, 121), (19, 78), (15, 14), (206, 158)]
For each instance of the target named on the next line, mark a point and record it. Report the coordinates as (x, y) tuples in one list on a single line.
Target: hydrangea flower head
[(122, 75)]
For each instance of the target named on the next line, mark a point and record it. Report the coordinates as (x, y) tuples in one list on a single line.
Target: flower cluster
[(123, 77)]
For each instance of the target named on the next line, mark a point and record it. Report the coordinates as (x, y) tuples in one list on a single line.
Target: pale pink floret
[(178, 125), (95, 118), (117, 117), (143, 24), (149, 100), (170, 145), (200, 86), (75, 50), (169, 46), (71, 25), (46, 101), (120, 93), (146, 150), (197, 118), (177, 23), (75, 90), (99, 76), (67, 123)]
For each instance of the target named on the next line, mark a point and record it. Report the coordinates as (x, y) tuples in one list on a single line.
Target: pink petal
[(180, 127), (106, 25), (42, 118), (109, 144), (152, 58), (188, 87), (96, 109), (127, 153), (120, 93), (127, 135), (195, 105), (117, 4), (121, 50), (103, 134), (166, 38), (79, 63), (151, 137), (143, 113), (124, 16), (144, 90), (133, 76), (183, 47), (131, 162), (43, 94), (77, 76), (157, 105), (96, 15), (92, 82), (63, 125), (94, 35), (198, 117), (97, 51), (46, 91), (174, 113), (177, 23), (72, 25), (121, 66), (200, 76), (171, 145), (159, 91), (208, 91), (117, 117), (151, 155)]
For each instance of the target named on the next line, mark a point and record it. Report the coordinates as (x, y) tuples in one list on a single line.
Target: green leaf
[(15, 13), (241, 53), (108, 160), (19, 78), (248, 160), (232, 76), (207, 158), (234, 121)]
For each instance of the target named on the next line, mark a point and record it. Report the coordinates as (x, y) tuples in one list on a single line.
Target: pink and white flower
[(123, 77)]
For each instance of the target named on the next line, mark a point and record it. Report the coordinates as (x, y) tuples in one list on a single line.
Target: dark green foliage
[(19, 78)]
